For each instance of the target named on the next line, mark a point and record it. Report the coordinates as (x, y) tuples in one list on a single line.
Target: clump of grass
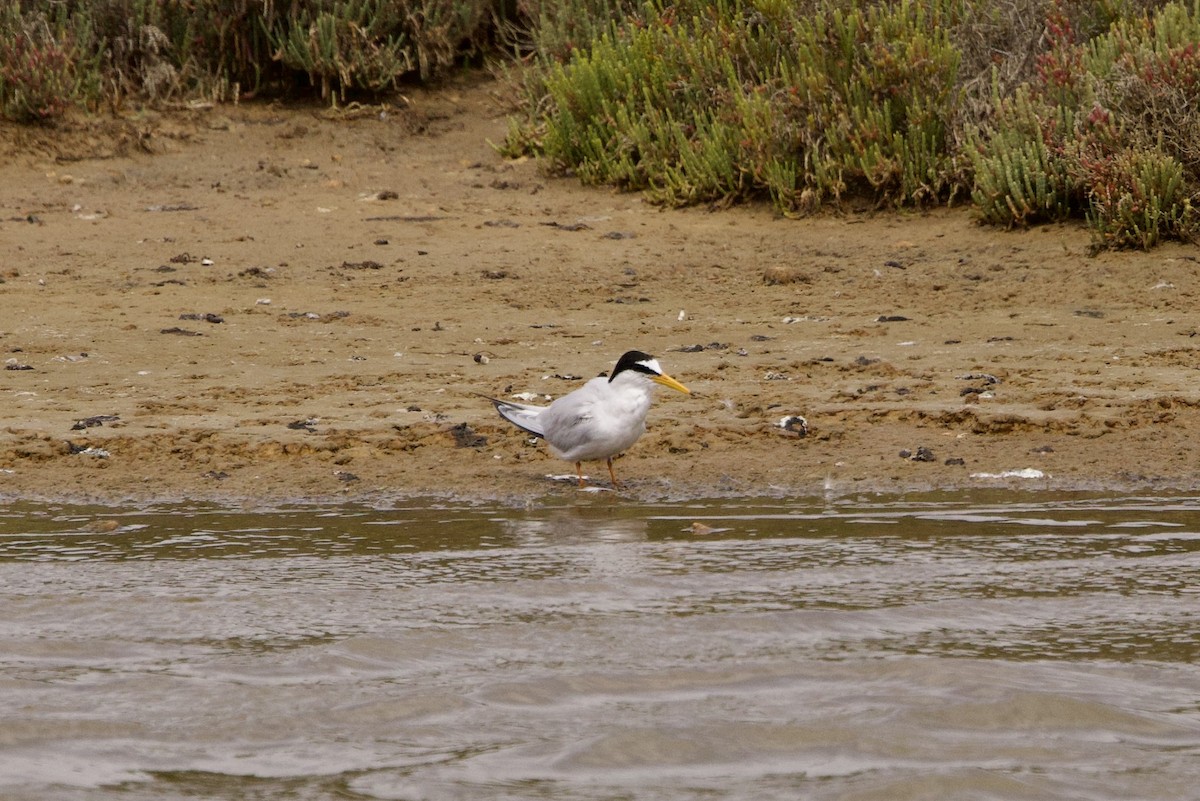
[(43, 68), (538, 36), (1034, 109), (1020, 174), (445, 32), (898, 102), (1137, 198), (373, 44), (158, 50), (716, 102), (359, 43), (1106, 128)]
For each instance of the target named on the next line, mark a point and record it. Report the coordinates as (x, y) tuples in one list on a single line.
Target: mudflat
[(261, 303)]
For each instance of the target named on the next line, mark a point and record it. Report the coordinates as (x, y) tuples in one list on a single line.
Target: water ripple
[(871, 648)]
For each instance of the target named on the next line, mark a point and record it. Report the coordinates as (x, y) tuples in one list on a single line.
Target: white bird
[(600, 419)]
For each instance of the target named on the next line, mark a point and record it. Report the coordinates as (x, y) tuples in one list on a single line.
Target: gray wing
[(521, 415), (568, 423)]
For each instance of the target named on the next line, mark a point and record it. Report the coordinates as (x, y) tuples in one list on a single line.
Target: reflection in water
[(940, 647)]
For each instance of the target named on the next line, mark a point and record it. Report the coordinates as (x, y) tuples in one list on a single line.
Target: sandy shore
[(262, 304)]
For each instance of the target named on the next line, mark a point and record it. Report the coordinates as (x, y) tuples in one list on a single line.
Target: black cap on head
[(634, 360)]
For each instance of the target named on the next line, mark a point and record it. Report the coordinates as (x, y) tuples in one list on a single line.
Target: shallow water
[(941, 647)]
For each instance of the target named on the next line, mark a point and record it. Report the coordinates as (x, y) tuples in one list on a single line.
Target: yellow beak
[(667, 381)]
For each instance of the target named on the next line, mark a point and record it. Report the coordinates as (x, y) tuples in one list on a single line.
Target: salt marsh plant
[(1136, 198), (1033, 109), (444, 32), (154, 50), (1021, 175), (810, 102), (735, 100), (372, 44), (1108, 129), (343, 45), (44, 68)]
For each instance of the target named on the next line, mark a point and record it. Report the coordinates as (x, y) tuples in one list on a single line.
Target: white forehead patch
[(651, 364)]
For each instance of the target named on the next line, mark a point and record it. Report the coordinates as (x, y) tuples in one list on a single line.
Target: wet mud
[(262, 303)]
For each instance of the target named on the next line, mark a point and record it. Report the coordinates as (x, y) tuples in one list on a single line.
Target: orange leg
[(579, 472), (616, 484)]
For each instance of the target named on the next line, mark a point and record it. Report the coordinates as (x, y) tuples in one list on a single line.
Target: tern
[(600, 419)]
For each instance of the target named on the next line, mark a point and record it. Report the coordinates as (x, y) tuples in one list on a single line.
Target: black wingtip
[(500, 404)]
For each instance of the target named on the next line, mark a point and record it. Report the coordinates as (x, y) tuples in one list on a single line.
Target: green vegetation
[(1032, 110), (1107, 128), (45, 64), (57, 54), (737, 100)]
